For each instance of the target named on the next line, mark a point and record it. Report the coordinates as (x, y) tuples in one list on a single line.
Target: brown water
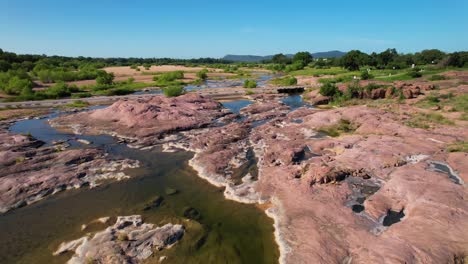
[(226, 232)]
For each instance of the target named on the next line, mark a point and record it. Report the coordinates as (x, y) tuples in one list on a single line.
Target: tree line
[(355, 59)]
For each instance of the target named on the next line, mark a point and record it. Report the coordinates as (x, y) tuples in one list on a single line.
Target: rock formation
[(347, 185), (129, 240), (146, 121), (30, 171)]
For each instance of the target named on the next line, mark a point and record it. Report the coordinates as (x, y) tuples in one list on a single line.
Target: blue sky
[(185, 29)]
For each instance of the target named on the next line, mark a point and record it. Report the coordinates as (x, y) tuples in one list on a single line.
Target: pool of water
[(445, 168), (295, 101), (237, 105), (225, 232)]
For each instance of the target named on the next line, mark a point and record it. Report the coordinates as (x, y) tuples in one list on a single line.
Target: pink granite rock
[(30, 172), (146, 121)]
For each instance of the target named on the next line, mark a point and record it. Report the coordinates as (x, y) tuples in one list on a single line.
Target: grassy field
[(338, 74)]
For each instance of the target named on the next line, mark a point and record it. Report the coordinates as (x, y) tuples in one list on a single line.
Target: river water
[(224, 232)]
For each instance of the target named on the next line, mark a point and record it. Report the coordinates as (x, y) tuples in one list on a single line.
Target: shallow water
[(295, 101), (226, 232), (445, 168), (237, 105)]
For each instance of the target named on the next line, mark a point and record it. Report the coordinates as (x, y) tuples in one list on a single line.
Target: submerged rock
[(153, 203), (192, 213), (129, 240)]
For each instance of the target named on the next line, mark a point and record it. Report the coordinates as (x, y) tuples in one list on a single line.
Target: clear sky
[(190, 28)]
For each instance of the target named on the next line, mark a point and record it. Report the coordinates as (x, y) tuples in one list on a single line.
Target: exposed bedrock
[(366, 195), (129, 240), (146, 121), (381, 166), (30, 172)]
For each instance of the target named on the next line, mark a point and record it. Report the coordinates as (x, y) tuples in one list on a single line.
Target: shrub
[(250, 84), (373, 86), (81, 95), (294, 67), (119, 91), (437, 77), (415, 73), (365, 75), (169, 76), (432, 99), (459, 146), (59, 90), (203, 74), (173, 91), (78, 104), (329, 89)]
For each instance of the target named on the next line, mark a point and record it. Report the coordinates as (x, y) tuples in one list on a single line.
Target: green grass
[(284, 81), (460, 146), (464, 117), (343, 126), (249, 91), (396, 77), (437, 77), (77, 104), (458, 103), (317, 72), (427, 120), (346, 77)]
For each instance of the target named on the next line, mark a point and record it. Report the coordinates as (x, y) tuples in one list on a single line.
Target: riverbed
[(223, 231)]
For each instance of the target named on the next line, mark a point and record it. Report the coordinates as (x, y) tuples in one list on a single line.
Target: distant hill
[(255, 58)]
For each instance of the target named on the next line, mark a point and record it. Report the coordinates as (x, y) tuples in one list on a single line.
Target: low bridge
[(216, 93)]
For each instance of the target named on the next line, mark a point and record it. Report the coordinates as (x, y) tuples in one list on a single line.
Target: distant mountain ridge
[(255, 58)]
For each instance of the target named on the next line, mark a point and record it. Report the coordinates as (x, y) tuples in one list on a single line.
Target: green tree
[(4, 66), (280, 59), (430, 56), (104, 78), (303, 57), (16, 85), (354, 59), (386, 57), (458, 59)]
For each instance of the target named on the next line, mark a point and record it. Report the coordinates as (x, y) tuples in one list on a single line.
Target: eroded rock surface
[(367, 195), (30, 171), (146, 121), (385, 161), (129, 240)]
